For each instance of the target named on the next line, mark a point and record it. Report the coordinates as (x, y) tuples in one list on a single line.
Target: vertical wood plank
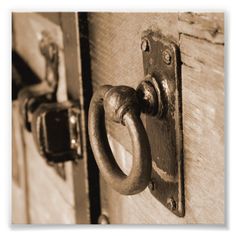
[(86, 180), (20, 207), (51, 199)]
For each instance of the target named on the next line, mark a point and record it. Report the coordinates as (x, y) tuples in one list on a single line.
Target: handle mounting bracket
[(56, 130), (161, 61)]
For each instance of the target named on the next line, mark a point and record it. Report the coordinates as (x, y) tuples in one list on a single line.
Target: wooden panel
[(208, 26), (19, 171), (51, 199), (85, 173), (54, 17), (27, 34), (203, 116), (116, 60)]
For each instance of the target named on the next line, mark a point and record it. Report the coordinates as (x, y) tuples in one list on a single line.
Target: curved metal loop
[(120, 104)]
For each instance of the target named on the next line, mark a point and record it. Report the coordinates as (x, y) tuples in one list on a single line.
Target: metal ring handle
[(120, 104)]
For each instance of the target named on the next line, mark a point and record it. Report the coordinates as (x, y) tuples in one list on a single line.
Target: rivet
[(151, 185), (73, 119), (166, 56), (73, 143), (145, 45), (103, 220), (171, 203)]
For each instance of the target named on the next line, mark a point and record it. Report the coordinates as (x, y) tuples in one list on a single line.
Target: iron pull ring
[(119, 104)]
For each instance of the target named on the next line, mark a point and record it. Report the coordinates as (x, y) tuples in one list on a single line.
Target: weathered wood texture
[(28, 28), (208, 26), (117, 59), (116, 54), (19, 172), (79, 89), (51, 199), (203, 120)]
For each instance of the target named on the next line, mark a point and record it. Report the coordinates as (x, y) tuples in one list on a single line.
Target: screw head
[(171, 204), (73, 143), (151, 185), (145, 45), (103, 220), (73, 119), (166, 56)]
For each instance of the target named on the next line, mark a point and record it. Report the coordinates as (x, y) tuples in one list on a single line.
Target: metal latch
[(56, 130), (162, 66), (55, 126), (32, 96), (157, 148)]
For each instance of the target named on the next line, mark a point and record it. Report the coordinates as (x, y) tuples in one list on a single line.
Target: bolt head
[(166, 56), (171, 204), (72, 119), (145, 45), (73, 143), (152, 185)]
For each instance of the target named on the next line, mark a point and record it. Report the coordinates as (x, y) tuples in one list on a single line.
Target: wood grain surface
[(116, 60), (20, 210), (51, 198)]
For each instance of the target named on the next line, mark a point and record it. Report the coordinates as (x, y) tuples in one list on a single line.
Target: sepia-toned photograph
[(118, 118)]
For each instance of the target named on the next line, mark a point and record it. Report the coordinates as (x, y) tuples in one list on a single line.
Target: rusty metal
[(158, 96), (145, 45), (171, 204), (56, 130), (152, 185), (50, 50), (32, 96), (150, 97), (120, 104), (162, 64), (166, 56)]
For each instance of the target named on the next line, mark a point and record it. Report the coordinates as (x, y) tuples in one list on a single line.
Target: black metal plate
[(161, 59)]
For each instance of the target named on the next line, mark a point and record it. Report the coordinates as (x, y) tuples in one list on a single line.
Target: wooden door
[(116, 59), (104, 48), (49, 197)]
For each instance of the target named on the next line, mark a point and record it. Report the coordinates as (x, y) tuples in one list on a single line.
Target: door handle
[(55, 126), (123, 105), (159, 97), (56, 130)]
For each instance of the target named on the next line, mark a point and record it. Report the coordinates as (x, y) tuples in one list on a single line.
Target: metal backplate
[(161, 60)]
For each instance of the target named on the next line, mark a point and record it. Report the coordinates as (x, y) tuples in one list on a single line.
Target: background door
[(40, 194)]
